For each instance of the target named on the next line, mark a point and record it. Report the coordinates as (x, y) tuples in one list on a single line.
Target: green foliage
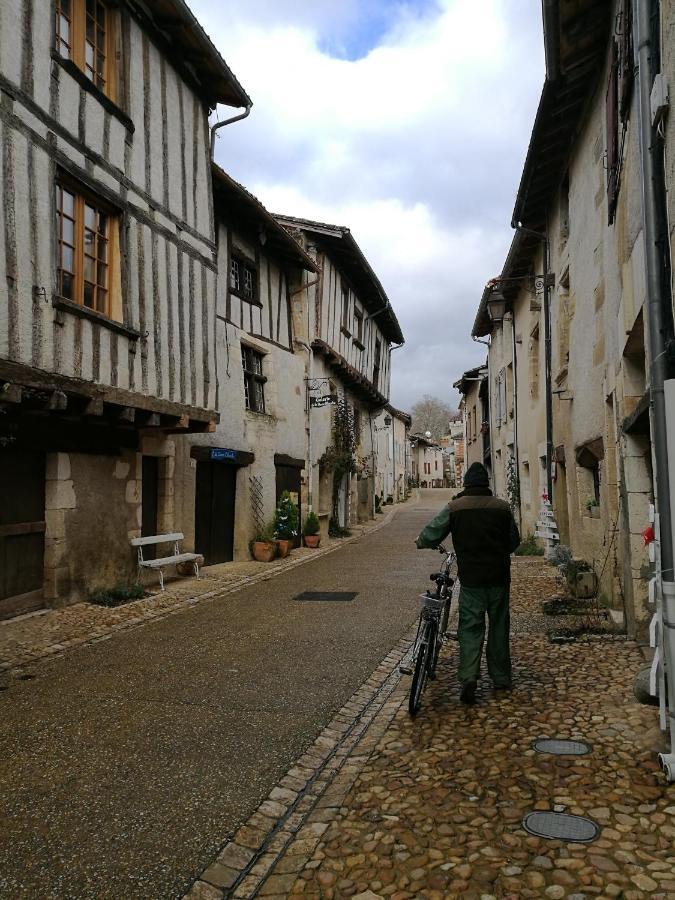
[(529, 547), (513, 485), (591, 503), (340, 457), (116, 596), (311, 524), (264, 535), (286, 518)]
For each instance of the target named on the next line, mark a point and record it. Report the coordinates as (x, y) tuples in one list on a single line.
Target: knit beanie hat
[(476, 476)]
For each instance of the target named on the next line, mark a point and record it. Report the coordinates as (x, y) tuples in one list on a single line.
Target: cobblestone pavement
[(383, 806), (26, 639)]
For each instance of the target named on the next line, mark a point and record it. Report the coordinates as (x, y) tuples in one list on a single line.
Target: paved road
[(125, 765)]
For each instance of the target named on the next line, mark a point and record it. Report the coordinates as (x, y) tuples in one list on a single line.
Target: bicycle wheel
[(419, 678), (434, 649)]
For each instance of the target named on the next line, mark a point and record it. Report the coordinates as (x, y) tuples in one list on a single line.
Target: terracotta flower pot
[(284, 547), (264, 551), (312, 540)]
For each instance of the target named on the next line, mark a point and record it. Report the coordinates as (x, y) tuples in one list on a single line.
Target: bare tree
[(431, 414)]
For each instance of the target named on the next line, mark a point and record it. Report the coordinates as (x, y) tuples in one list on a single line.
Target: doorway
[(149, 502), (214, 511), (288, 478), (22, 530)]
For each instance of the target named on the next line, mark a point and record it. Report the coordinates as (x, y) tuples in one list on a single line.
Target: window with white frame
[(254, 380)]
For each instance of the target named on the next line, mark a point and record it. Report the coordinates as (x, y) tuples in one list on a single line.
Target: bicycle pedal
[(405, 670)]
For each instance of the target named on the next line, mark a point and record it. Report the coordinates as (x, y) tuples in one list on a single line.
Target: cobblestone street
[(433, 807)]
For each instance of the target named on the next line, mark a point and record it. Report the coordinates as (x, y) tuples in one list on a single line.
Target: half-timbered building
[(349, 326), (232, 478), (107, 281)]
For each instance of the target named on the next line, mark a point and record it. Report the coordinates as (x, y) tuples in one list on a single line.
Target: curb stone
[(14, 667), (310, 792)]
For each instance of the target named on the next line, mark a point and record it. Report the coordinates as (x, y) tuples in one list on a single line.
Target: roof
[(575, 38), (234, 203), (194, 51), (339, 242), (427, 442), (399, 414), (470, 376)]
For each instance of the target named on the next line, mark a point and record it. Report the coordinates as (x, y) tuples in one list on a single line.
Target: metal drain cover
[(561, 827), (561, 747), (343, 596)]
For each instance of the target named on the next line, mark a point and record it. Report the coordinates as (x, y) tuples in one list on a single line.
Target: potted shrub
[(593, 508), (311, 530), (285, 524), (263, 545)]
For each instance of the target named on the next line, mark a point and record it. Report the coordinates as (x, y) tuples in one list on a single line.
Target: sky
[(407, 121)]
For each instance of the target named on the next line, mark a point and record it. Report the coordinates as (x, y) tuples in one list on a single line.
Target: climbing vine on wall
[(340, 457), (513, 485)]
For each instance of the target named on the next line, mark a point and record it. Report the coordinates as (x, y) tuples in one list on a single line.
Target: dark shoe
[(507, 686), (468, 693)]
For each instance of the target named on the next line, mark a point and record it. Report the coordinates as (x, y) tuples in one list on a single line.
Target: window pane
[(68, 230), (66, 285), (102, 300), (89, 269), (102, 249), (259, 397), (102, 223), (89, 295), (89, 216), (102, 274), (67, 202), (64, 29), (67, 258), (90, 30), (234, 275)]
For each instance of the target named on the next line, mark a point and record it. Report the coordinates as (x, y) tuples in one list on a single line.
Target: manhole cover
[(562, 747), (561, 827), (327, 595)]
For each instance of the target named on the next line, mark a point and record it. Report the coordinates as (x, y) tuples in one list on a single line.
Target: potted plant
[(593, 508), (311, 531), (285, 524), (263, 545)]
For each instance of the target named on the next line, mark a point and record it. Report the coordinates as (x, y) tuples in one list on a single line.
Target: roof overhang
[(575, 38), (235, 205), (339, 244), (359, 385), (518, 266), (192, 50), (471, 376)]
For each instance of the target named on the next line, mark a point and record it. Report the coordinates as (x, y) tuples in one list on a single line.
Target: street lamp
[(496, 306)]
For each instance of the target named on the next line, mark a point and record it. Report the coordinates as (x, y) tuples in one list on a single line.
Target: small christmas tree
[(286, 518)]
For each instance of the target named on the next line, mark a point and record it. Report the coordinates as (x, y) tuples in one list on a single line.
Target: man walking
[(484, 535)]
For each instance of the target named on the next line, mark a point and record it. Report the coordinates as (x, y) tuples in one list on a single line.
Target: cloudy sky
[(407, 121)]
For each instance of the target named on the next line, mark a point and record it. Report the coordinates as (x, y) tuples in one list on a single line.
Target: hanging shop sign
[(325, 400)]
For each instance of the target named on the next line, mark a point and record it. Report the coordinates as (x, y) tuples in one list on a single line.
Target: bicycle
[(431, 630)]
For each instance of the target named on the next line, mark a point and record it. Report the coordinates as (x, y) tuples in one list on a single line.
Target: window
[(254, 380), (83, 35), (84, 232), (243, 279), (345, 306), (358, 326)]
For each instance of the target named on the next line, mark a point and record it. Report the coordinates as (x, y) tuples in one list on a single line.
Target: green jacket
[(484, 535)]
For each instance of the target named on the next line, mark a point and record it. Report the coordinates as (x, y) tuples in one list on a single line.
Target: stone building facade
[(107, 283)]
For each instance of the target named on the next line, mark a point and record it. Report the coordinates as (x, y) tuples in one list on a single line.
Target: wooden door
[(149, 502), (289, 479), (22, 529), (214, 511)]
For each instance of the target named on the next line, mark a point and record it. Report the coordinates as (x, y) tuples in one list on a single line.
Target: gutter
[(551, 15), (229, 121)]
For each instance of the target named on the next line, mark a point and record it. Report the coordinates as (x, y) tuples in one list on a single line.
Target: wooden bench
[(160, 564)]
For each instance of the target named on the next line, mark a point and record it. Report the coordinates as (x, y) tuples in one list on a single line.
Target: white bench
[(160, 564)]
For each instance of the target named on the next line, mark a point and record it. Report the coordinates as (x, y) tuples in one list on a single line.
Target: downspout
[(489, 373), (515, 405), (660, 325), (222, 124), (546, 254)]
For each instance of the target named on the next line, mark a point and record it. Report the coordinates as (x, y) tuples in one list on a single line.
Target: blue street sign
[(218, 454)]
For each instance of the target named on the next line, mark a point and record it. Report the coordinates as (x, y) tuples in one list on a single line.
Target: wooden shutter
[(626, 61), (612, 124)]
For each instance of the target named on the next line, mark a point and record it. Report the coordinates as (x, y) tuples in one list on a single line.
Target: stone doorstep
[(248, 862), (94, 635)]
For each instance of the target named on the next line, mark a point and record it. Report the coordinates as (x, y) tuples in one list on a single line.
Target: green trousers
[(474, 603)]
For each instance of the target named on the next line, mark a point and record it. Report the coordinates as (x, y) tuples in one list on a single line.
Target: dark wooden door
[(22, 529), (214, 511), (289, 479), (149, 502)]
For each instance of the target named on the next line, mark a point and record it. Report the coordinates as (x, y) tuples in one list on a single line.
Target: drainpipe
[(516, 455), (489, 378), (546, 255), (229, 121), (660, 327)]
